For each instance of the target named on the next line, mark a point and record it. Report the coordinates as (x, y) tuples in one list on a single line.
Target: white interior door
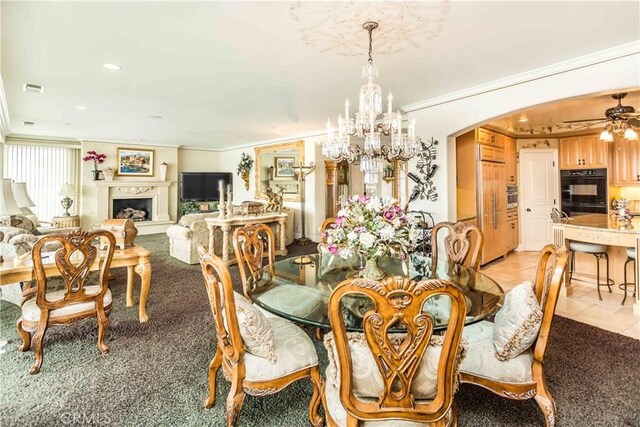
[(538, 195)]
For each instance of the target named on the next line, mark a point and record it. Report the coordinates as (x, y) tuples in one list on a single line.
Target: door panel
[(539, 186)]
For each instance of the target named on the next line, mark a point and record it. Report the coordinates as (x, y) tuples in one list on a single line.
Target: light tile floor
[(582, 305)]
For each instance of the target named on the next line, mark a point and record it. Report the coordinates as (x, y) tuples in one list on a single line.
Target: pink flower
[(340, 220), (364, 199), (333, 249), (389, 214)]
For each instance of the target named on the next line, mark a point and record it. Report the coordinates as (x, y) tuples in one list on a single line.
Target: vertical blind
[(45, 169)]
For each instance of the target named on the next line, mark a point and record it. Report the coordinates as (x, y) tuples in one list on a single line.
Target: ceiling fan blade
[(584, 120), (634, 122), (589, 125)]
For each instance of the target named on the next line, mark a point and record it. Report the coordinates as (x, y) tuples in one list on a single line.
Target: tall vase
[(96, 174), (371, 270)]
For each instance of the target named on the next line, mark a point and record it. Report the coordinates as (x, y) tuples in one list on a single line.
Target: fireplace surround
[(150, 195)]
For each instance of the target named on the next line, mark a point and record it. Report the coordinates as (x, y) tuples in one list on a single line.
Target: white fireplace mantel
[(157, 191)]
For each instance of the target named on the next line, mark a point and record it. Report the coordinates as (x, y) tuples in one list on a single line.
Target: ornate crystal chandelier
[(618, 127), (369, 126)]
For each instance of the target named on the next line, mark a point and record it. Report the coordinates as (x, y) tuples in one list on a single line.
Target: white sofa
[(191, 231)]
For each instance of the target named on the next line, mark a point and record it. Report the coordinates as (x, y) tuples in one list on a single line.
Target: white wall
[(451, 117)]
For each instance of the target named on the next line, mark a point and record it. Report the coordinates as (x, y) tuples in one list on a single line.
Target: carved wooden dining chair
[(251, 243), (77, 300), (294, 355), (521, 377), (462, 244), (401, 378), (323, 227)]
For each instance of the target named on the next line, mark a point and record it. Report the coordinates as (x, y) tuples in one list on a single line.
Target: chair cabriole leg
[(38, 340), (213, 371), (25, 335), (314, 405), (234, 400)]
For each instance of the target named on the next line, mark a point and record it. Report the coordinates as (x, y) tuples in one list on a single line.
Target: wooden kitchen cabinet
[(510, 160), (583, 152), (626, 162)]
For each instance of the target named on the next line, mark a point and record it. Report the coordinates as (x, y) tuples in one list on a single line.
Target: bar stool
[(631, 258), (599, 252)]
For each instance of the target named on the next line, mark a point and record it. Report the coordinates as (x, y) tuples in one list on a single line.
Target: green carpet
[(155, 373)]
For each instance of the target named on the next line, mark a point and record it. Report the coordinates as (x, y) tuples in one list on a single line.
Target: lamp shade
[(67, 190), (8, 204), (21, 195)]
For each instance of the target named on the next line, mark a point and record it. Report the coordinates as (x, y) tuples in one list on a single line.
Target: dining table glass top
[(300, 288)]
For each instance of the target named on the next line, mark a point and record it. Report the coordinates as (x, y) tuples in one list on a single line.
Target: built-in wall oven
[(512, 196), (584, 191)]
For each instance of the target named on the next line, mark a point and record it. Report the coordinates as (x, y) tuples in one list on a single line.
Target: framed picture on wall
[(284, 167), (135, 162)]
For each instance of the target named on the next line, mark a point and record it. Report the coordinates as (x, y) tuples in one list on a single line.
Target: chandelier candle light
[(369, 126)]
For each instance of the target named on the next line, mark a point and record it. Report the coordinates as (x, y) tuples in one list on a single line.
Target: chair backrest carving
[(462, 245), (74, 261), (323, 228), (550, 272), (398, 300), (249, 244), (219, 287)]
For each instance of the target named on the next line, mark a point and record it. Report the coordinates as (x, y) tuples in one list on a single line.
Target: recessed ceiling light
[(28, 87), (28, 123), (155, 117), (112, 67), (523, 120), (81, 107)]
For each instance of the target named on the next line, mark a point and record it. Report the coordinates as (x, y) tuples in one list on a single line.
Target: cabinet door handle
[(528, 209)]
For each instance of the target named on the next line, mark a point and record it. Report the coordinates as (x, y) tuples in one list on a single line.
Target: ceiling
[(221, 74), (539, 118)]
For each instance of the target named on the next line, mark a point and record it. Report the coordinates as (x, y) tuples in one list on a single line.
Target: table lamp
[(68, 191), (22, 197), (8, 205)]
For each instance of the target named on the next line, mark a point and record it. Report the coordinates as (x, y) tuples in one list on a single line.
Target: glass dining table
[(300, 288)]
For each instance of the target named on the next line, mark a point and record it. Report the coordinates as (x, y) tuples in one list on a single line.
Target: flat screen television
[(202, 186)]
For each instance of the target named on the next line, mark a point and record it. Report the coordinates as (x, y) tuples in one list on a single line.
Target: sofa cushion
[(367, 381), (189, 219), (294, 352), (517, 323), (255, 329), (481, 359), (179, 232), (10, 232)]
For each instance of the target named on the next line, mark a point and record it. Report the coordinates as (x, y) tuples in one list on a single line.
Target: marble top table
[(602, 229)]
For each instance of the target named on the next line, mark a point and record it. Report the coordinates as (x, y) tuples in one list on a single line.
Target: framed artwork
[(284, 167), (135, 162)]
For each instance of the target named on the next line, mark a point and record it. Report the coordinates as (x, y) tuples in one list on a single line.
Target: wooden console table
[(598, 228), (135, 258), (227, 225)]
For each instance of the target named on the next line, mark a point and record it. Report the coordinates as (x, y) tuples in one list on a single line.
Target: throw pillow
[(517, 323), (255, 330)]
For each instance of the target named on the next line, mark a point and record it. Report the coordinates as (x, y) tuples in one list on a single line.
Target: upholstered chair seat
[(31, 311), (294, 352), (481, 359)]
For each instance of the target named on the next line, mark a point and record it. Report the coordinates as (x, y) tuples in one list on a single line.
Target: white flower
[(342, 212), (387, 232), (367, 240), (352, 235), (345, 252)]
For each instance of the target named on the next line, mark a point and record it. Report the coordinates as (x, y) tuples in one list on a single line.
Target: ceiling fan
[(620, 113)]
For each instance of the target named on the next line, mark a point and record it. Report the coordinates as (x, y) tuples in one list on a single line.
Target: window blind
[(45, 169)]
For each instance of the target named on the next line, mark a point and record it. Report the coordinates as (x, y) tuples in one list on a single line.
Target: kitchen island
[(601, 229)]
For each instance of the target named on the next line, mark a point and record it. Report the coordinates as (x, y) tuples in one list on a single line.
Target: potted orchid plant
[(98, 158), (372, 227)]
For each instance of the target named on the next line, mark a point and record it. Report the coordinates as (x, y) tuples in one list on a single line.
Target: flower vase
[(371, 270), (96, 174), (245, 177)]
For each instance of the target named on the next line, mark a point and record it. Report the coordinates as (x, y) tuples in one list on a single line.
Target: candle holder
[(230, 205), (221, 205)]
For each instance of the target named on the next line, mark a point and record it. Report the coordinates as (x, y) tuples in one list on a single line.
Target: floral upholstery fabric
[(294, 352), (339, 414), (367, 381), (10, 232), (23, 243), (255, 330), (18, 221), (31, 312), (517, 323), (482, 361)]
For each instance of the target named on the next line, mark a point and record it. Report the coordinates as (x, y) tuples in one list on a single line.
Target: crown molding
[(611, 54), (253, 144), (4, 113)]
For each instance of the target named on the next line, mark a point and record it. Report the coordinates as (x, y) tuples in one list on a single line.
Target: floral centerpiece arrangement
[(244, 167), (372, 227), (98, 158)]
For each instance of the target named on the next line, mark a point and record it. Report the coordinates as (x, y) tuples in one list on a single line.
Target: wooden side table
[(72, 221)]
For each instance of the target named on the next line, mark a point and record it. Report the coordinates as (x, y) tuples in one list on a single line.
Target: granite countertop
[(601, 222)]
